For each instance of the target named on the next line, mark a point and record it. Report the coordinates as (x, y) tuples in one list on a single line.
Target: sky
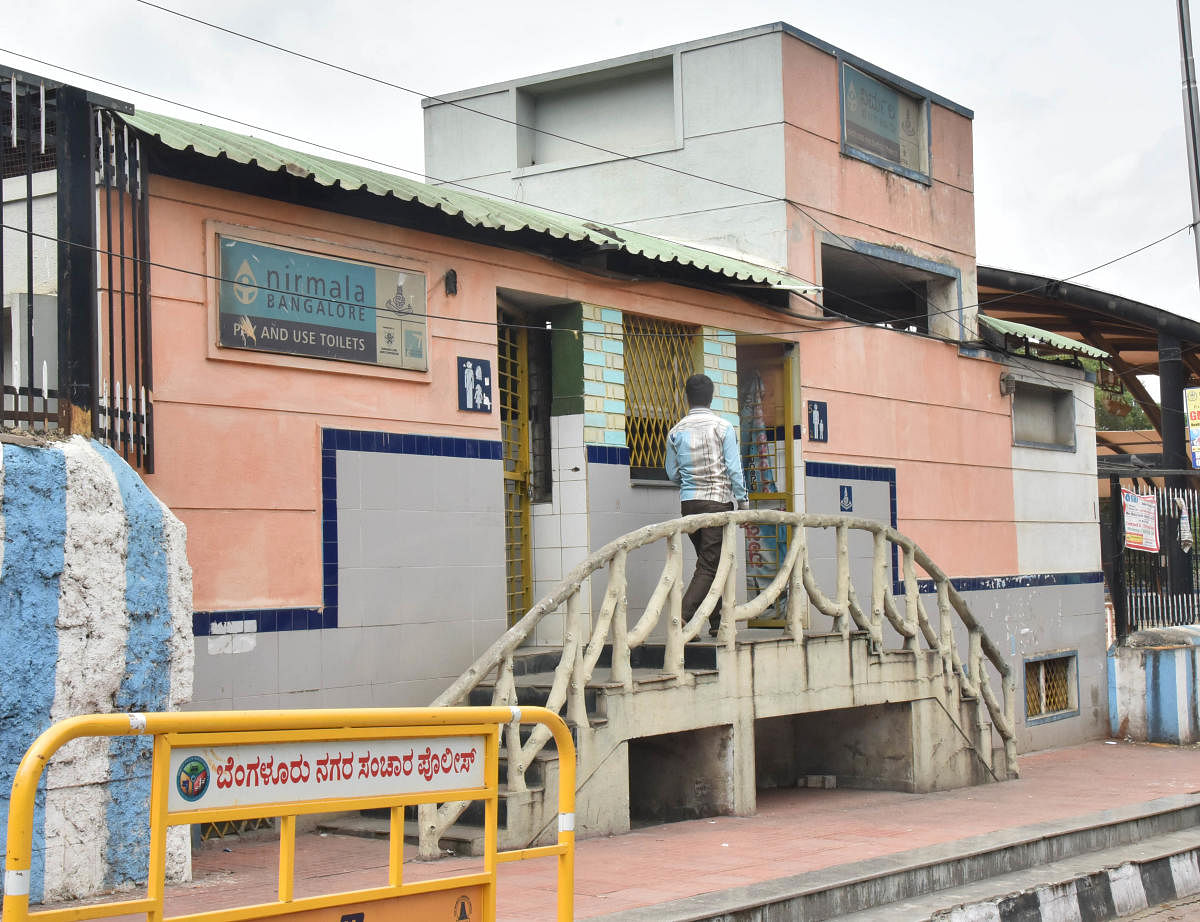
[(1079, 144)]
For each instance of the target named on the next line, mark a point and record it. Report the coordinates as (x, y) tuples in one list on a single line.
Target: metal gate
[(74, 268), (513, 374), (1156, 589)]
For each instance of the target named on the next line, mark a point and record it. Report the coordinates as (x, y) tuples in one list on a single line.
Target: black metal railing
[(28, 258), (1156, 588), (123, 402), (74, 268)]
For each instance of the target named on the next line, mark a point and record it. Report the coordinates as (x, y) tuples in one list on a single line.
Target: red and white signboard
[(265, 773), (1141, 521)]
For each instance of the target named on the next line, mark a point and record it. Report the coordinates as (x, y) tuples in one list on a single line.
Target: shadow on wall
[(95, 617)]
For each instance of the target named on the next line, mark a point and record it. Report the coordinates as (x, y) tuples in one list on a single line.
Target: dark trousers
[(707, 542)]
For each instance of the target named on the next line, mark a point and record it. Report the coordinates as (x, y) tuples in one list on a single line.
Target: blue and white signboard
[(275, 299), (818, 421), (845, 498), (474, 385)]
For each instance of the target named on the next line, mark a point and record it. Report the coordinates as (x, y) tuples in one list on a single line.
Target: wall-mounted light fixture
[(451, 282), (1008, 384)]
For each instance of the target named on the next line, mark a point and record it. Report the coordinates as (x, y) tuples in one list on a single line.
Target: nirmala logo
[(192, 779), (245, 285)]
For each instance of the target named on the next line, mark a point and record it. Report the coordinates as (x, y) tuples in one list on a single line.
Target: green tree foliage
[(1106, 419)]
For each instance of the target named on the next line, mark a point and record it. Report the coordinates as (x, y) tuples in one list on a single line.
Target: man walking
[(702, 457)]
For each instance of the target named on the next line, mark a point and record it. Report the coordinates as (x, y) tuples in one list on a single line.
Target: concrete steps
[(1106, 863)]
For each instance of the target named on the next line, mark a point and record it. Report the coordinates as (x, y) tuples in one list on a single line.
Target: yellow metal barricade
[(220, 765)]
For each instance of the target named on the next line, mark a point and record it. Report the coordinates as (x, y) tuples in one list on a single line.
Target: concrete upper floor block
[(712, 140)]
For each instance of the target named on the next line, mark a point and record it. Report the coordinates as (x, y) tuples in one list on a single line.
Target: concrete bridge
[(904, 692)]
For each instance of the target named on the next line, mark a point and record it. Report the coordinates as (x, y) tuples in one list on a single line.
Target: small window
[(659, 358), (884, 125), (1050, 688), (1043, 417)]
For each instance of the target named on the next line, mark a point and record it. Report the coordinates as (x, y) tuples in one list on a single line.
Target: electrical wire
[(425, 178), (1055, 381), (898, 324), (763, 196), (887, 320)]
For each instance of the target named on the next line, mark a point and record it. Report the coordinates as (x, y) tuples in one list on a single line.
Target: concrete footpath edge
[(1098, 897)]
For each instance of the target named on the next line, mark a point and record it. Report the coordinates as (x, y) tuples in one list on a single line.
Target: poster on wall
[(1141, 521), (273, 299), (1191, 404)]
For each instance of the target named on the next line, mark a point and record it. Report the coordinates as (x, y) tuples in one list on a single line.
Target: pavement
[(1185, 910), (794, 831)]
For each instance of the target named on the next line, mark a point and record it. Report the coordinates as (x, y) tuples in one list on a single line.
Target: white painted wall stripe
[(1185, 873), (1059, 903), (1128, 892), (93, 629)]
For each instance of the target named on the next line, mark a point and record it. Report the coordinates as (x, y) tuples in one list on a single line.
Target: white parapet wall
[(95, 617)]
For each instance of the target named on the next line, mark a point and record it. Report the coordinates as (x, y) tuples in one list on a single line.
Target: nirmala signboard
[(274, 299), (882, 121)]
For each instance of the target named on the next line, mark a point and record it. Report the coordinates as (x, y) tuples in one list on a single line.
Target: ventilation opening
[(626, 110), (1050, 688), (1043, 417), (868, 748), (681, 776), (886, 293)]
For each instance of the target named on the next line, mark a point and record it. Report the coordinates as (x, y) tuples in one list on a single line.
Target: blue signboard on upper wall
[(273, 299)]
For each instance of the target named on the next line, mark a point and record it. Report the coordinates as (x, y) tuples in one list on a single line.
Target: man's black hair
[(699, 390)]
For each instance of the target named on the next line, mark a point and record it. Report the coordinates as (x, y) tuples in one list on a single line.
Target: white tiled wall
[(560, 527)]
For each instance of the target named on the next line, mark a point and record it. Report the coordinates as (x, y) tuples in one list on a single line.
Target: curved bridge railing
[(905, 615)]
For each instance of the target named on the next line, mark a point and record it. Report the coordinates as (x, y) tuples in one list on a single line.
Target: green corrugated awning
[(475, 209), (1033, 334)]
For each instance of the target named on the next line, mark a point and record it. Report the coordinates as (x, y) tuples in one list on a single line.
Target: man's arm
[(671, 462), (733, 466)]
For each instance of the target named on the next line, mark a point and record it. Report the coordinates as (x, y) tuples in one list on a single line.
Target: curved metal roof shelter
[(1127, 330)]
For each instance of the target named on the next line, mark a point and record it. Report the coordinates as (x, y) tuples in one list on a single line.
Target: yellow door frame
[(785, 487)]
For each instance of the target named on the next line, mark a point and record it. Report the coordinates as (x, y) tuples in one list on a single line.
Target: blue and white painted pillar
[(1154, 693), (95, 617)]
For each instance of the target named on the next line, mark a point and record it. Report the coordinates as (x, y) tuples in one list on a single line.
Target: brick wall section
[(720, 364), (603, 377)]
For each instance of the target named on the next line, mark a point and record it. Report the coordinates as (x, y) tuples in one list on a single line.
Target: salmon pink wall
[(858, 199), (237, 433), (939, 419)]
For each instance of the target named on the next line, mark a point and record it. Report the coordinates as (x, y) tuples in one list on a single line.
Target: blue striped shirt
[(702, 457)]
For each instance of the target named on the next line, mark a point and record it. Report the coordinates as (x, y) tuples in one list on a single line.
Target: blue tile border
[(1025, 581), (834, 471), (962, 583), (405, 443), (608, 454), (332, 441), (267, 620)]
